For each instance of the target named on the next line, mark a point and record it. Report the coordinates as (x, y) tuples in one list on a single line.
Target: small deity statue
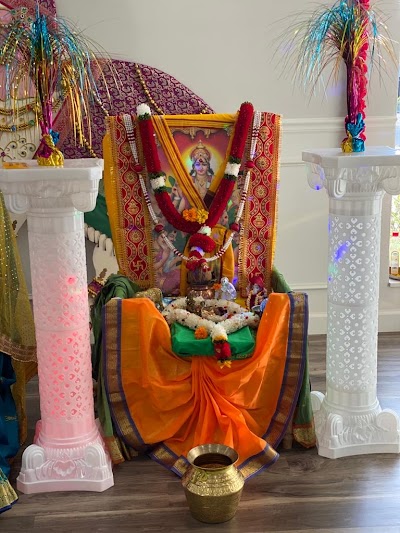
[(227, 290), (194, 304), (256, 292), (155, 295)]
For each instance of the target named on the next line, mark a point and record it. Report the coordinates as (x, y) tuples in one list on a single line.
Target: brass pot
[(213, 485), (205, 291), (200, 276)]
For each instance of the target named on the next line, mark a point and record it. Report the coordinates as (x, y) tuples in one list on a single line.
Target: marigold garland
[(195, 215), (201, 333)]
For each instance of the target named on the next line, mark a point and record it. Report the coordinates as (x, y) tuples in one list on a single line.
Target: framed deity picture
[(193, 153)]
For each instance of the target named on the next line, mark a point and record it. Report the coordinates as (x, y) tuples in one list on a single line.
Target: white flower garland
[(176, 312), (143, 109), (156, 183), (232, 169), (205, 230), (197, 249)]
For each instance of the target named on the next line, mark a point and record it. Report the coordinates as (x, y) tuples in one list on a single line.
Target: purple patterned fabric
[(171, 97), (50, 5), (45, 6)]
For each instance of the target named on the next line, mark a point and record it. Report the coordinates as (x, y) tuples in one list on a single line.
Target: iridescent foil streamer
[(351, 32), (58, 61)]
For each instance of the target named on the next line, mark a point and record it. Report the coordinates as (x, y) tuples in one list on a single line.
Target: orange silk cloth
[(165, 405)]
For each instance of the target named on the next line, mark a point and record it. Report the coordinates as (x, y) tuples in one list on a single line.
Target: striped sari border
[(122, 419), (255, 464), (294, 369)]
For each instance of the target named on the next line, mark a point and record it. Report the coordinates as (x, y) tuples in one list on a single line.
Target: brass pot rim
[(220, 449)]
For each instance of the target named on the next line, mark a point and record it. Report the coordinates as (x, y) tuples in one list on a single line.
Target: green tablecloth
[(185, 344)]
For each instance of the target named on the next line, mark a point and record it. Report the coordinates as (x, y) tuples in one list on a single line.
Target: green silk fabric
[(98, 218), (185, 344)]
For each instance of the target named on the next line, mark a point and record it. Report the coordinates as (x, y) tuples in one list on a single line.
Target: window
[(395, 218)]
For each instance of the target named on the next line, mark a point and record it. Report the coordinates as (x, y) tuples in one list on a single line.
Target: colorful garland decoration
[(217, 327), (198, 224), (201, 240), (57, 60), (350, 31)]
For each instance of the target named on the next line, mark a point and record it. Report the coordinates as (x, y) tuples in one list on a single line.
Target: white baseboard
[(389, 321), (317, 324)]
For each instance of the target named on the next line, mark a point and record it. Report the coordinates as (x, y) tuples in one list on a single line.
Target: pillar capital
[(27, 186), (377, 169)]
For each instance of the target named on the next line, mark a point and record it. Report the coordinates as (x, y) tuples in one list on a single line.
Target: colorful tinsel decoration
[(352, 32), (59, 62)]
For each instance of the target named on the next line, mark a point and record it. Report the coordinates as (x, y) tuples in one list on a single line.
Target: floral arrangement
[(193, 221), (58, 61), (201, 333), (196, 258), (350, 32), (195, 215), (218, 327)]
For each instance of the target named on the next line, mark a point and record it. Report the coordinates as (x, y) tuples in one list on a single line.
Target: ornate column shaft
[(68, 453), (348, 418)]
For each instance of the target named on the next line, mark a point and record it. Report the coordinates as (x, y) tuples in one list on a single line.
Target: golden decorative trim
[(17, 351), (85, 142), (111, 186), (304, 434), (276, 179), (146, 90)]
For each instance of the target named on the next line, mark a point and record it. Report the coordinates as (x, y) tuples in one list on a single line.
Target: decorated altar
[(191, 201), (192, 208)]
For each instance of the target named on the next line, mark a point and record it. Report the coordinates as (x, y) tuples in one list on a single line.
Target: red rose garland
[(200, 242)]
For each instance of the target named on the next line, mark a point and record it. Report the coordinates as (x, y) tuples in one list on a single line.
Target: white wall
[(224, 51)]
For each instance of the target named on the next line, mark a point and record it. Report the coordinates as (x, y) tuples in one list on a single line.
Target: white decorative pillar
[(68, 453), (348, 418)]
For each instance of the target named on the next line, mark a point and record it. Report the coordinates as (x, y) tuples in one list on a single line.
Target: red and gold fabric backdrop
[(141, 255)]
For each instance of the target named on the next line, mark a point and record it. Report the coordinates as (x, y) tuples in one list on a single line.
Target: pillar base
[(49, 469), (342, 433)]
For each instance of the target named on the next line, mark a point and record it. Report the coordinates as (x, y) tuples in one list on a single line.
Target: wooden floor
[(302, 492)]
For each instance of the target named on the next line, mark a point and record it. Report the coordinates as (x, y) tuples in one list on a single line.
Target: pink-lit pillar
[(68, 453)]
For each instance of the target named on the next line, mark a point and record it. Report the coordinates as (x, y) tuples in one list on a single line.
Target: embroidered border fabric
[(17, 333)]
